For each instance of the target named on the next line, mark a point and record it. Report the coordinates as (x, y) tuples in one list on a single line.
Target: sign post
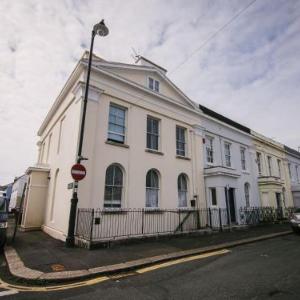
[(78, 172)]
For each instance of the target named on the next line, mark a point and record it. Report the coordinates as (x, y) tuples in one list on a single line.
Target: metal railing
[(100, 225), (261, 215)]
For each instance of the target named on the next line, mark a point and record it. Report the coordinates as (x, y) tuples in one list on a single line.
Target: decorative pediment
[(140, 75)]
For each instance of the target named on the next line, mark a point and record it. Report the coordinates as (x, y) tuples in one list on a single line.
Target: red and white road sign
[(78, 172)]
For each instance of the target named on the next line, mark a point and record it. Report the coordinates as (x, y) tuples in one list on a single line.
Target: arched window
[(113, 187), (182, 190), (152, 188), (247, 193)]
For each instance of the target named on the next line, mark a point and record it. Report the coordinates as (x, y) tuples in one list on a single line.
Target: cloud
[(250, 72)]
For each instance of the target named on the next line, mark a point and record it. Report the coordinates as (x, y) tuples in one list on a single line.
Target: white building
[(293, 160), (229, 164), (17, 192), (142, 138)]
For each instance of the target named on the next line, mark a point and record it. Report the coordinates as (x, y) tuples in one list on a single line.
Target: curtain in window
[(113, 187), (152, 189), (182, 190)]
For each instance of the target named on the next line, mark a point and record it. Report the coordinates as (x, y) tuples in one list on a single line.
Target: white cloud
[(250, 72)]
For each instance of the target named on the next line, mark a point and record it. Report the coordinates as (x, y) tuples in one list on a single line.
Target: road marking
[(182, 260), (13, 289), (7, 293)]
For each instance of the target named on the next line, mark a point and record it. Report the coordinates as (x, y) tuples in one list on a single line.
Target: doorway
[(278, 200), (230, 203)]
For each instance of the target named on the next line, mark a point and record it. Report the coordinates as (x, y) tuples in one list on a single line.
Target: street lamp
[(101, 30)]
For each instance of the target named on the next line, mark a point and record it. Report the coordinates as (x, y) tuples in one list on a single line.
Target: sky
[(249, 72)]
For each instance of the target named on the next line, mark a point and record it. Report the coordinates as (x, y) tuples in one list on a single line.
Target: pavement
[(36, 257), (268, 269)]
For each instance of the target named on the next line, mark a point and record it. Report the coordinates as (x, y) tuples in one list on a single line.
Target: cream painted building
[(143, 140), (272, 170), (293, 161)]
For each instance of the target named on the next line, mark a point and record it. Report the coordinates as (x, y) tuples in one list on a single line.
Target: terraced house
[(229, 164), (272, 170), (293, 166), (153, 156), (143, 140)]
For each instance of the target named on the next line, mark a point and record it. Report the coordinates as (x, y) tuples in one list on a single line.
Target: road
[(263, 270)]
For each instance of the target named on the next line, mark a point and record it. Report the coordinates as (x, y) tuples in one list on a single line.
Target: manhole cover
[(57, 268)]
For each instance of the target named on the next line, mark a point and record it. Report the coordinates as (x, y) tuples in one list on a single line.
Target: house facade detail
[(229, 164), (272, 170)]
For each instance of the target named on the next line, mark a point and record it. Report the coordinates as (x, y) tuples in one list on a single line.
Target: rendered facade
[(272, 169), (148, 146), (229, 164), (293, 167)]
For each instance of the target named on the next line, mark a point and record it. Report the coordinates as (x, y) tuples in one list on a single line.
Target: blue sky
[(249, 72)]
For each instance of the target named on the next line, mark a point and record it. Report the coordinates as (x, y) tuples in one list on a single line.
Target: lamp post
[(100, 29)]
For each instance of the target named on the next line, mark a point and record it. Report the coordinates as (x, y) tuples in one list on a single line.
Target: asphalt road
[(264, 270)]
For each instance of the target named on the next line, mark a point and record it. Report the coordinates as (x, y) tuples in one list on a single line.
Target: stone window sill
[(116, 144), (154, 151), (183, 157)]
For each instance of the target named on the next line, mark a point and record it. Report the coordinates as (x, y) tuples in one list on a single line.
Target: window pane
[(109, 175), (113, 186), (151, 83), (182, 195), (213, 196), (108, 193), (118, 176), (116, 126), (151, 197), (116, 137), (156, 86)]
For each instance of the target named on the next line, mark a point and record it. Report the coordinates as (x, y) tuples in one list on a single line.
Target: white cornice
[(70, 81), (144, 68), (193, 108)]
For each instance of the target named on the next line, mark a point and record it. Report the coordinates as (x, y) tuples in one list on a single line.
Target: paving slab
[(37, 252)]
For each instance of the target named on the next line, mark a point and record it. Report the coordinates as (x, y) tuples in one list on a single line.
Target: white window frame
[(209, 147), (153, 134), (155, 84), (124, 126), (279, 167), (152, 188), (211, 196), (258, 161), (269, 161), (182, 142), (227, 156), (243, 158)]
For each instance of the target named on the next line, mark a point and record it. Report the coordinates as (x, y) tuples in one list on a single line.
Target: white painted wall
[(218, 175), (295, 178)]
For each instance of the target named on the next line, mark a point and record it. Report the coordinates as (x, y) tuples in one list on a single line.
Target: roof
[(224, 119), (292, 151), (142, 58)]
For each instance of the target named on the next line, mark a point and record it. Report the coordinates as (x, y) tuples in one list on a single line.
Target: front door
[(278, 200), (231, 204)]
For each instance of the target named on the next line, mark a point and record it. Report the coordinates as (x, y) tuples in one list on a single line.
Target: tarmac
[(37, 258)]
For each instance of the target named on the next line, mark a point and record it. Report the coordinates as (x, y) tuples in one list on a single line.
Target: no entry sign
[(78, 172)]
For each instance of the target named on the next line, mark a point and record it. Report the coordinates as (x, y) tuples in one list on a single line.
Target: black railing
[(99, 224), (261, 215)]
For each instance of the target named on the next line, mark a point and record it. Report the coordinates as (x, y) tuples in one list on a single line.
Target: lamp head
[(101, 29)]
